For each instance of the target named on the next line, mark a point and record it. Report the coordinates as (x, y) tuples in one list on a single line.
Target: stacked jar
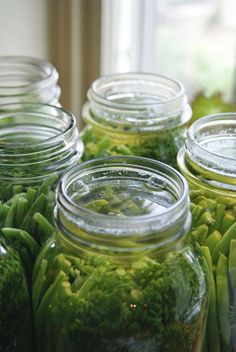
[(24, 79), (208, 161), (135, 114), (119, 274), (38, 142)]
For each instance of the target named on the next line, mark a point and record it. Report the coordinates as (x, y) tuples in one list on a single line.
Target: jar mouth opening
[(211, 143), (108, 90), (166, 187), (136, 102), (34, 124), (20, 75)]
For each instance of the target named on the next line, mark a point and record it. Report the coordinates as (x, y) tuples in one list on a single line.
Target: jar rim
[(136, 101), (176, 212), (207, 128), (36, 109), (142, 76), (49, 74), (37, 141)]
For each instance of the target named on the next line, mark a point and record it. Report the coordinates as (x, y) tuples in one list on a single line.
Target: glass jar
[(25, 79), (38, 142), (135, 114), (119, 274), (208, 161), (15, 317)]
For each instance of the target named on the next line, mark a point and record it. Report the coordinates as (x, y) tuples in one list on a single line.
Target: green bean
[(200, 233), (103, 144), (37, 206), (199, 199), (1, 205), (205, 218), (234, 211), (27, 240), (192, 206), (224, 244), (220, 211), (21, 210), (43, 224), (124, 150), (26, 260), (222, 290), (38, 284), (5, 210), (229, 203), (212, 336), (197, 211), (44, 188), (213, 240), (41, 313), (203, 204), (9, 221), (195, 193), (63, 318), (17, 189), (97, 204), (31, 194), (211, 205), (227, 222), (87, 134), (232, 280), (232, 266)]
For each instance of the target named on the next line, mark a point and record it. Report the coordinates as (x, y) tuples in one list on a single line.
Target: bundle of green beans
[(26, 218), (157, 146), (214, 228)]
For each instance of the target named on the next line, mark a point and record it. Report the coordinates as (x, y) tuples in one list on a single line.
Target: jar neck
[(209, 153), (24, 79), (123, 235), (136, 102), (36, 141)]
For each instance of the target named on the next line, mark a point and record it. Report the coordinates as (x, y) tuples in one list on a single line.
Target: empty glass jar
[(135, 114), (119, 274)]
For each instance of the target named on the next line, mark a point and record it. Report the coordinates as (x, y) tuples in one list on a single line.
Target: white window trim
[(136, 42)]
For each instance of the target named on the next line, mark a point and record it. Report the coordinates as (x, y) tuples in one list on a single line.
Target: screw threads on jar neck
[(146, 206), (136, 101), (210, 151), (24, 79), (36, 141)]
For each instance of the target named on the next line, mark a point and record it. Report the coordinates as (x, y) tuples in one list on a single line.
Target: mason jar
[(15, 317), (119, 275), (208, 161), (26, 79), (135, 114), (38, 142)]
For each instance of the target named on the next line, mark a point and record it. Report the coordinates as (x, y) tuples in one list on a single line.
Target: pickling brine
[(119, 275), (208, 161)]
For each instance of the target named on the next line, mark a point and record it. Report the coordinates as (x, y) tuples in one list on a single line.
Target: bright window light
[(190, 40)]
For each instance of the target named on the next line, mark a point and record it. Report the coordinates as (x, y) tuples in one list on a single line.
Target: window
[(190, 40)]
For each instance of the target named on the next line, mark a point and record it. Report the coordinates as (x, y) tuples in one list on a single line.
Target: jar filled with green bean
[(38, 142), (120, 274), (135, 114), (208, 161)]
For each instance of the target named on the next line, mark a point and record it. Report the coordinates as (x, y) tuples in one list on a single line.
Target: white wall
[(24, 28)]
